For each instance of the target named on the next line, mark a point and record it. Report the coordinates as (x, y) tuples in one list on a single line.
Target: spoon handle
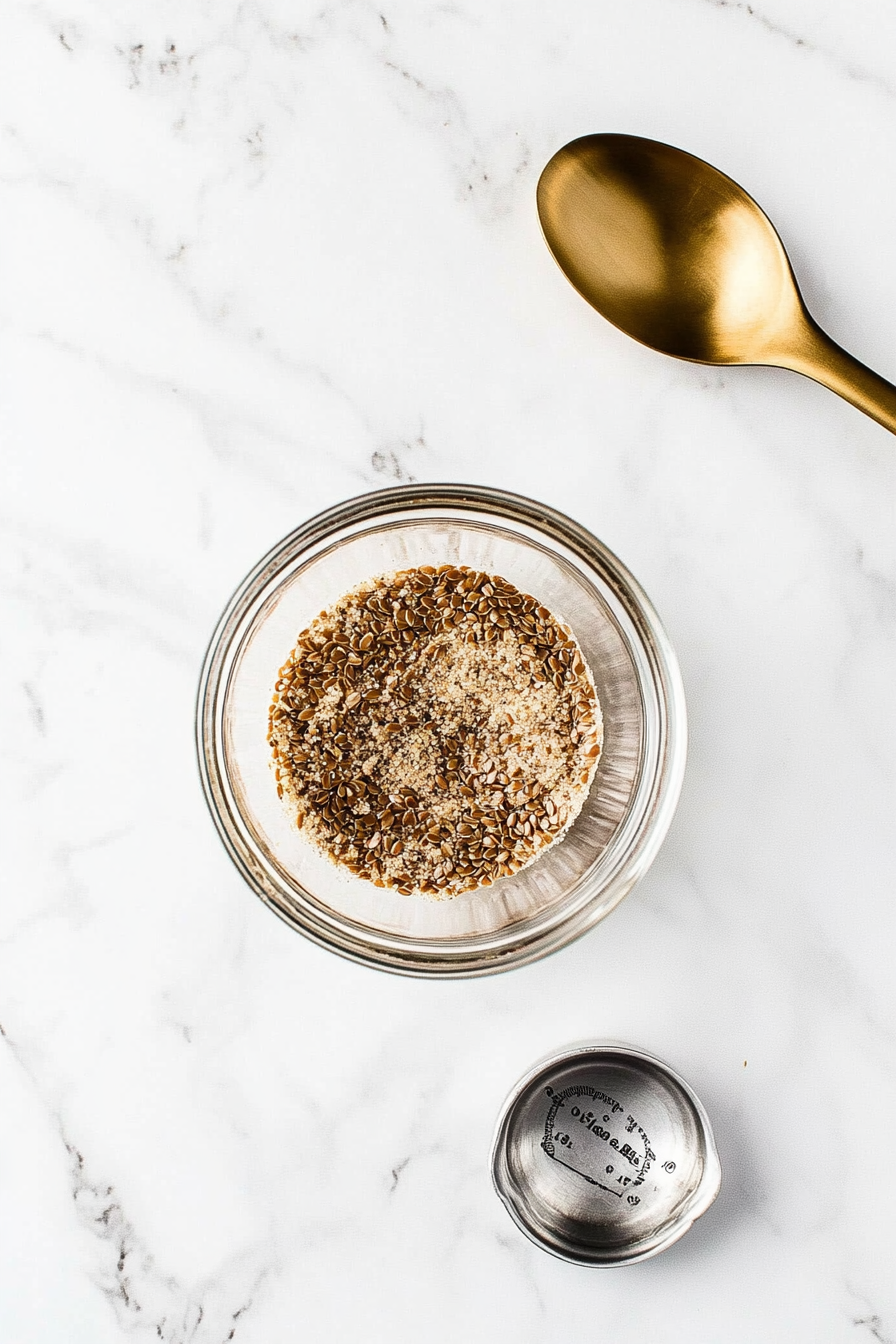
[(821, 358)]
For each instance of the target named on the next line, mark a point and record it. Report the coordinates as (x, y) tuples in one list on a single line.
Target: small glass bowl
[(576, 881)]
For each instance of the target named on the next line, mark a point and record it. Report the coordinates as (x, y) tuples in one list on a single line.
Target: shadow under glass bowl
[(575, 882)]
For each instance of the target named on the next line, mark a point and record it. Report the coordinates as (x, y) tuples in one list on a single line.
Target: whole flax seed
[(435, 730)]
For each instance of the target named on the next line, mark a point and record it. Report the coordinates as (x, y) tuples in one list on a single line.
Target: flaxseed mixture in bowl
[(435, 730), (441, 730)]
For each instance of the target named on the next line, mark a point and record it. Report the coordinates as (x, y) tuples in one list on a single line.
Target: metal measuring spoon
[(677, 255), (603, 1155)]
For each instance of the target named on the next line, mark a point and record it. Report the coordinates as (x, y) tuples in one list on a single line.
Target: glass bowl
[(575, 882)]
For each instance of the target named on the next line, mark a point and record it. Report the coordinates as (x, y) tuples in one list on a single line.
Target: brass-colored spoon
[(677, 255)]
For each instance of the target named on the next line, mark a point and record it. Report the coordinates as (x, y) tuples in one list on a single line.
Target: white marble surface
[(258, 257)]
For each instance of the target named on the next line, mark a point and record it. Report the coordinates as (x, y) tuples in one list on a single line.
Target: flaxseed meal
[(435, 730)]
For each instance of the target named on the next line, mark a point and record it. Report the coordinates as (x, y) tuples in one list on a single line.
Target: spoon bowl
[(680, 257)]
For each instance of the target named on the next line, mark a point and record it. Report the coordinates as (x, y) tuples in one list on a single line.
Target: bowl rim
[(551, 525)]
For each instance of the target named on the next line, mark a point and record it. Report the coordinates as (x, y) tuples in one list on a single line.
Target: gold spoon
[(677, 255)]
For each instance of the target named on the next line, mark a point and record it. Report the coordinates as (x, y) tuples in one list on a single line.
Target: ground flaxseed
[(435, 730)]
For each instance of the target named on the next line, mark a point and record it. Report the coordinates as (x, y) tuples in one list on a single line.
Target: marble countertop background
[(258, 257)]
